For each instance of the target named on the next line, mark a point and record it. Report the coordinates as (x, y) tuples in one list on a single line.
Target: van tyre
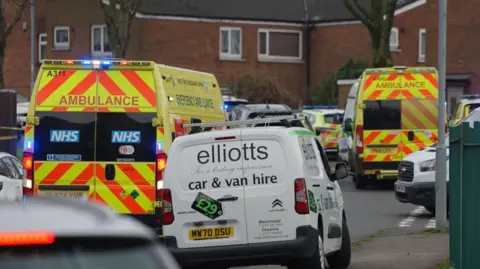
[(341, 258), (360, 182), (317, 261)]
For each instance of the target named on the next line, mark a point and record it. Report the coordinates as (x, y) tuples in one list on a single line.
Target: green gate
[(465, 196)]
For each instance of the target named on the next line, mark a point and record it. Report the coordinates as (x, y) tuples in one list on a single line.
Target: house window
[(42, 47), (279, 44), (61, 37), (394, 39), (422, 45), (100, 41), (230, 42)]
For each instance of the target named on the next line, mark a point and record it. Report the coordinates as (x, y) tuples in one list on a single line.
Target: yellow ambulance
[(464, 107), (396, 114), (101, 130)]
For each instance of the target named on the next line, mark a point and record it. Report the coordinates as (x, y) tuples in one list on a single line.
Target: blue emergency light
[(320, 107)]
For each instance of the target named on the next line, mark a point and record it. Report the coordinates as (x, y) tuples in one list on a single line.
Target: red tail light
[(167, 207), (301, 197), (28, 180), (161, 163), (359, 138)]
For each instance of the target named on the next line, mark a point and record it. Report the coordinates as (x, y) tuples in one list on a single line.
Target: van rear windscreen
[(382, 115)]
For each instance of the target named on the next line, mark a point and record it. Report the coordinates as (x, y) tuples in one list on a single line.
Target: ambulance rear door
[(126, 140), (63, 140)]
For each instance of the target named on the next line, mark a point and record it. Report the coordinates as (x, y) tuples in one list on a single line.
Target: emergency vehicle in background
[(101, 130), (345, 140), (327, 123), (230, 102), (396, 114), (464, 107)]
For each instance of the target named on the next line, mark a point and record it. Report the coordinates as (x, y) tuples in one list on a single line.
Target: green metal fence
[(465, 196)]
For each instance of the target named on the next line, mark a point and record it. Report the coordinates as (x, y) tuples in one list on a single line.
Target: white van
[(345, 140), (253, 196)]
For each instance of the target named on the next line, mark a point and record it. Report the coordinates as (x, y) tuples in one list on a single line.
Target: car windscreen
[(311, 118), (84, 254)]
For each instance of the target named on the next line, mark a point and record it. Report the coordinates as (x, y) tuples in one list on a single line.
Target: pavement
[(387, 234)]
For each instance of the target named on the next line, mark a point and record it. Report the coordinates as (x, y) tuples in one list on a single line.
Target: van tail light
[(301, 197), (160, 164), (359, 138), (28, 179), (167, 207), (26, 238)]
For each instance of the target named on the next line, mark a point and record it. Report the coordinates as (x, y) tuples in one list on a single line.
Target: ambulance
[(396, 114), (101, 130), (464, 107)]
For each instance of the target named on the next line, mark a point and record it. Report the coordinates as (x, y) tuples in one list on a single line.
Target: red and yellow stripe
[(400, 86)]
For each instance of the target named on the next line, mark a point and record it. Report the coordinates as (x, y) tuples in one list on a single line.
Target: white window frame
[(61, 45), (394, 47), (41, 44), (102, 27), (421, 57), (229, 55), (267, 57)]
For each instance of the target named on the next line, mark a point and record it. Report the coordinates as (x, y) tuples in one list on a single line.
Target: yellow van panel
[(191, 91)]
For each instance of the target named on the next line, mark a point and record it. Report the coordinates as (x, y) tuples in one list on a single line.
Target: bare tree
[(7, 28), (119, 15), (379, 21)]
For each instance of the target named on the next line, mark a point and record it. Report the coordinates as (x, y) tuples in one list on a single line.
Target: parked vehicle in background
[(230, 102), (345, 139), (11, 178), (327, 126), (54, 232), (396, 114), (416, 173), (22, 110), (252, 111), (464, 107)]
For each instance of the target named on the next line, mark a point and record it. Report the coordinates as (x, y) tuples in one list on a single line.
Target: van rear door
[(269, 192), (205, 177), (64, 138)]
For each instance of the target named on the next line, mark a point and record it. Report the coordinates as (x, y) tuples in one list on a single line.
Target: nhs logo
[(64, 136), (126, 137)]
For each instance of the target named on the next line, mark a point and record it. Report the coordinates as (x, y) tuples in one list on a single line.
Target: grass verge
[(444, 265), (371, 238)]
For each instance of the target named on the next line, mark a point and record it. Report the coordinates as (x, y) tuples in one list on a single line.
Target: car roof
[(264, 107), (69, 218)]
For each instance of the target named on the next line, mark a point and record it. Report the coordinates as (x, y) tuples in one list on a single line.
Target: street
[(375, 210)]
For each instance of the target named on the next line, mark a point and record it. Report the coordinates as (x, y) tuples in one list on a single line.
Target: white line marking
[(407, 222), (432, 224)]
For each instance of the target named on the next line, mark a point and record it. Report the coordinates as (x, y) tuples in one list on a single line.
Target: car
[(230, 102), (11, 178), (56, 232), (22, 110), (110, 144), (252, 111), (327, 125), (253, 196), (416, 173), (467, 104)]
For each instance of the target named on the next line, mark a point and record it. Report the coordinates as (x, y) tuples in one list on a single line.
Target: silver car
[(50, 232)]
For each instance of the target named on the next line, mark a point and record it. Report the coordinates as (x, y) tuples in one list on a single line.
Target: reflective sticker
[(64, 136), (126, 136), (64, 157), (126, 150)]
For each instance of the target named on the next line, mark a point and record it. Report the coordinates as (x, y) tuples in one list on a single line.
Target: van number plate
[(382, 150), (211, 233)]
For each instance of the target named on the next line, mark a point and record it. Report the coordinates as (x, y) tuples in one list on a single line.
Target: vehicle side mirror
[(348, 127), (341, 171)]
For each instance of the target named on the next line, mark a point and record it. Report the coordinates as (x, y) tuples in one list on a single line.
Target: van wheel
[(360, 182), (317, 261), (341, 258)]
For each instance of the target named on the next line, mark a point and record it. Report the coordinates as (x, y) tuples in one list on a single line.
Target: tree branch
[(18, 15), (359, 12)]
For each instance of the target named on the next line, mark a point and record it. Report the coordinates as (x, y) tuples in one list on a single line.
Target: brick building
[(295, 42)]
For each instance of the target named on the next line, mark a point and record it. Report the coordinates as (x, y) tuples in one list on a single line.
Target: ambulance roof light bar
[(105, 63)]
